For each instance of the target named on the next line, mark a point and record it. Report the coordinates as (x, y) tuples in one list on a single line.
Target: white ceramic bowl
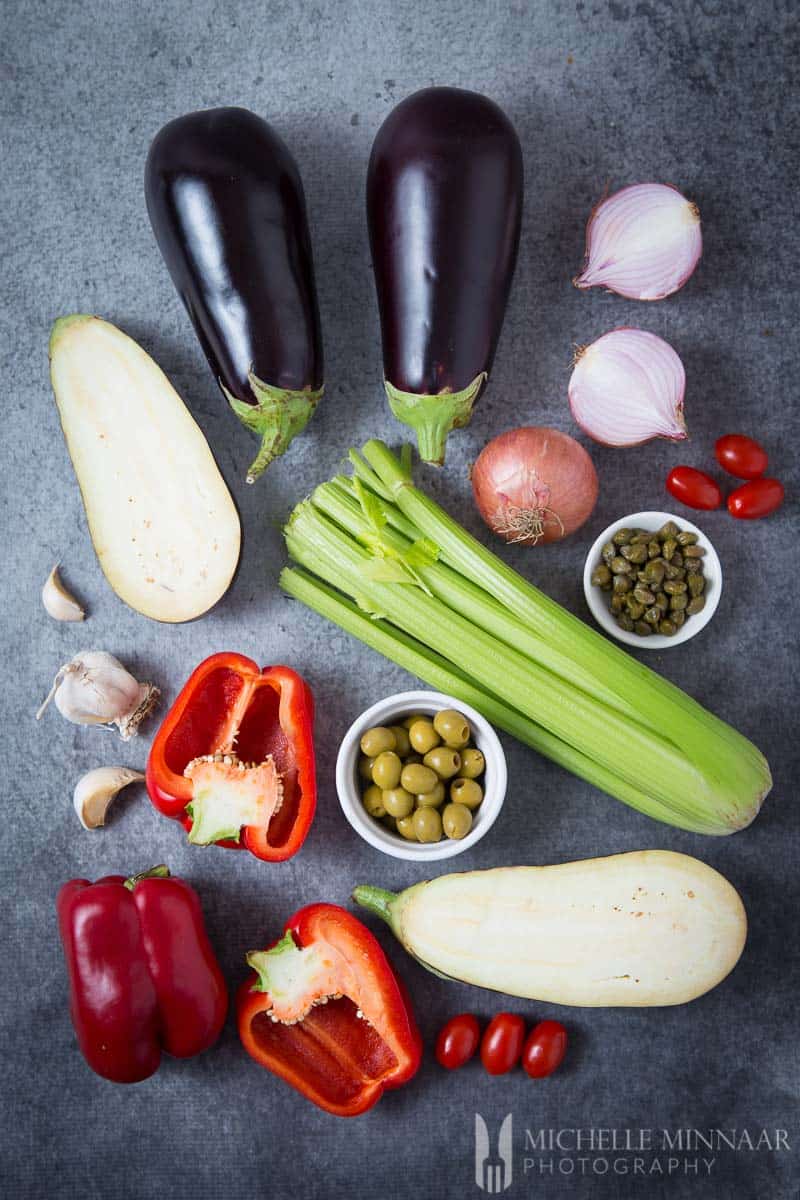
[(392, 711), (598, 599)]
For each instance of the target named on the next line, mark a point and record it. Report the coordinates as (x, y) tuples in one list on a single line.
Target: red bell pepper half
[(325, 1012), (143, 977), (234, 758)]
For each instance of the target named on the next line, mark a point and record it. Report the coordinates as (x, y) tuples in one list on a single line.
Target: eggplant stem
[(277, 416), (434, 416)]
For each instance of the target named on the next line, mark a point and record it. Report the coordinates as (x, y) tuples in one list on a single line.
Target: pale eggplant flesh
[(161, 518)]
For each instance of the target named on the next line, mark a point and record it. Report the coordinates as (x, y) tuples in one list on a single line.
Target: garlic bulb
[(60, 604), (95, 791), (95, 689)]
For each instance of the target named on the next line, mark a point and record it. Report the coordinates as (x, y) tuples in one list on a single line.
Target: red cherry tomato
[(755, 499), (545, 1048), (693, 488), (741, 456), (458, 1041), (502, 1043)]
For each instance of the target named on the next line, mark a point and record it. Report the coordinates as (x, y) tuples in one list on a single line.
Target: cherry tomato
[(502, 1043), (458, 1041), (693, 488), (755, 499), (545, 1048), (741, 456)]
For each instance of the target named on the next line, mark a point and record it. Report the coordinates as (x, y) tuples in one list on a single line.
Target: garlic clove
[(94, 688), (60, 604), (95, 791)]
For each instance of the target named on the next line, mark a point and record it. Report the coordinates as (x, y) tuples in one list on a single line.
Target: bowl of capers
[(652, 580), (421, 775)]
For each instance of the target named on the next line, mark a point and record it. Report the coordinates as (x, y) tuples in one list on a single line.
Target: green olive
[(418, 779), (456, 821), (473, 763), (452, 727), (431, 799), (427, 825), (444, 760), (386, 770), (466, 792), (376, 740), (373, 802), (405, 827), (407, 722), (398, 802), (423, 736), (365, 767), (402, 745)]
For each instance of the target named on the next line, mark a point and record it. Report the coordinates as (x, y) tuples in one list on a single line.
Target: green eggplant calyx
[(159, 872), (278, 415), (434, 416), (377, 900)]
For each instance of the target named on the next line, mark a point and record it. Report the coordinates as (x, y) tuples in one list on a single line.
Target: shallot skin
[(534, 485)]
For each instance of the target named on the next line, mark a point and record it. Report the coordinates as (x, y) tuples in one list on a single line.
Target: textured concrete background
[(602, 92)]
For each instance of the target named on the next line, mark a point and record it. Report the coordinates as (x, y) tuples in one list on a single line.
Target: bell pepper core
[(234, 758), (327, 1014)]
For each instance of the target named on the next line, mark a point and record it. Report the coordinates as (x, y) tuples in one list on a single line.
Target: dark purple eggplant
[(444, 202), (227, 207)]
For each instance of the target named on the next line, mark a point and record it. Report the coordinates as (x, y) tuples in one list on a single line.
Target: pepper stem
[(434, 416), (376, 899), (278, 415), (159, 872)]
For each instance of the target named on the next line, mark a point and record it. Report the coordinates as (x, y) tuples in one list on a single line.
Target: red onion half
[(534, 485)]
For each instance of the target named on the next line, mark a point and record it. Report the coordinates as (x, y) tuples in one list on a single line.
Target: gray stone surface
[(699, 94)]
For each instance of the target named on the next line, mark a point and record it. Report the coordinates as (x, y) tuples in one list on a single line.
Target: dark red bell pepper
[(143, 977), (234, 758), (326, 1012)]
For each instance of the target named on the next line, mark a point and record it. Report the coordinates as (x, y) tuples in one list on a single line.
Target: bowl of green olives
[(652, 580), (421, 776)]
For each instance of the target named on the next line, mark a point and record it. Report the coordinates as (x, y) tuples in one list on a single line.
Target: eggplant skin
[(226, 203), (444, 204)]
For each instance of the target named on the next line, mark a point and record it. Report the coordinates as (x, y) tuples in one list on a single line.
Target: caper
[(687, 538), (677, 560), (696, 584), (653, 549), (642, 628), (666, 627), (677, 618), (444, 760), (693, 566), (622, 584), (401, 743), (405, 827), (473, 764), (617, 603), (418, 778), (398, 802), (409, 721), (466, 792), (674, 587), (365, 767), (423, 736), (671, 572), (625, 622), (670, 546), (456, 821), (608, 552), (643, 595), (622, 536), (635, 609), (386, 770), (376, 740), (640, 538), (373, 801), (654, 572), (653, 615), (601, 576), (433, 798), (695, 551), (620, 566), (634, 554), (427, 825), (668, 530), (695, 605), (453, 727), (678, 603)]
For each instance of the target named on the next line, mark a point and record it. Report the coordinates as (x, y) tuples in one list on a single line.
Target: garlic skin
[(60, 604), (642, 243), (628, 387), (96, 789), (94, 688)]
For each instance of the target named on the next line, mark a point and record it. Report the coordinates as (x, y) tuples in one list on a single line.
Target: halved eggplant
[(162, 521)]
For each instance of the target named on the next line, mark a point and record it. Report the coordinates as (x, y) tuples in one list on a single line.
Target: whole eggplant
[(227, 207), (444, 203)]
